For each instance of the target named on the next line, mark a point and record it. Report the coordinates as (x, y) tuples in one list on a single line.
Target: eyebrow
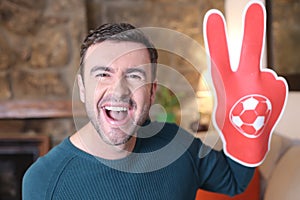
[(100, 68)]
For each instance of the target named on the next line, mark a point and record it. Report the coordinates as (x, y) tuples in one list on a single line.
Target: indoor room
[(44, 92)]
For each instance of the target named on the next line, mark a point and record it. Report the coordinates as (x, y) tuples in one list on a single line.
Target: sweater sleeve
[(36, 181), (40, 179), (218, 173)]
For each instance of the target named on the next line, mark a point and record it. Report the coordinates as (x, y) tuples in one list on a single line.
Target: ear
[(153, 92), (81, 88)]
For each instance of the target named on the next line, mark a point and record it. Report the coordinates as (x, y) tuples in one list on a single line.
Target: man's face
[(117, 89)]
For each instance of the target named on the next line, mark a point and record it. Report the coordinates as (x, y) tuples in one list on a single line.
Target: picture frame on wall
[(283, 41)]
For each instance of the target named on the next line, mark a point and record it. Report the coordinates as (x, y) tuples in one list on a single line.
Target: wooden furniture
[(37, 145), (40, 109)]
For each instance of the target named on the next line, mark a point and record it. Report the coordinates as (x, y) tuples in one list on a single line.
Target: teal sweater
[(66, 172)]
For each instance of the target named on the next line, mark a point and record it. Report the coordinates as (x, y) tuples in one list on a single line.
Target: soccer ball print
[(250, 114)]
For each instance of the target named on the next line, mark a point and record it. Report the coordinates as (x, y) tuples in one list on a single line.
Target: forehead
[(108, 52)]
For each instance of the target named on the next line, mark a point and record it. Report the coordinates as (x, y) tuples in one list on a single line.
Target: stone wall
[(39, 47), (39, 56), (39, 43), (40, 40), (184, 16)]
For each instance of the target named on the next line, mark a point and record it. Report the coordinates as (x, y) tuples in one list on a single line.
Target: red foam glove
[(250, 100)]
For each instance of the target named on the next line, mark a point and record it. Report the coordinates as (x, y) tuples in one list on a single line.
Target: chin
[(116, 139), (116, 135)]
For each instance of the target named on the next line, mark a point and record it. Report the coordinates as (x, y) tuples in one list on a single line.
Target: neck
[(88, 140)]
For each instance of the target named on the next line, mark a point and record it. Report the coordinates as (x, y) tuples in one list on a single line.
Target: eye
[(134, 76), (102, 75)]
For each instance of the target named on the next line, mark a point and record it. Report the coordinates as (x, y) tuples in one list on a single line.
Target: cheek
[(142, 96), (94, 93)]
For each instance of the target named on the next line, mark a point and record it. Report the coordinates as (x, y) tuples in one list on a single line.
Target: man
[(117, 154)]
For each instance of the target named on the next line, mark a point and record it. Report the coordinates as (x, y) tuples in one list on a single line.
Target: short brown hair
[(118, 32)]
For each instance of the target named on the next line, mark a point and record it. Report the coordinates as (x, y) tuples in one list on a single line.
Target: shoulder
[(40, 178), (160, 135), (160, 130)]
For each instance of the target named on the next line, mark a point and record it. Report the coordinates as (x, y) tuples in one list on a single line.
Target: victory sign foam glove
[(250, 100)]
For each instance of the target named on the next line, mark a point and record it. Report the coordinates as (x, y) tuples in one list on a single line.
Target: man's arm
[(41, 178), (35, 181), (218, 173)]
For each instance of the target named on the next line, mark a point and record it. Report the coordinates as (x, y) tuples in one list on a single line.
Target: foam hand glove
[(250, 100)]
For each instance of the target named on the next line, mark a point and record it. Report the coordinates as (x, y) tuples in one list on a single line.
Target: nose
[(121, 88)]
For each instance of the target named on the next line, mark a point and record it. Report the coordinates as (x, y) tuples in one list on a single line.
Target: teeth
[(118, 109)]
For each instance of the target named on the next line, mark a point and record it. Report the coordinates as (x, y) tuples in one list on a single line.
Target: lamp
[(233, 14), (205, 102)]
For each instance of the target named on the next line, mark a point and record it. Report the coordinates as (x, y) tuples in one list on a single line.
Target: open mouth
[(117, 115)]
